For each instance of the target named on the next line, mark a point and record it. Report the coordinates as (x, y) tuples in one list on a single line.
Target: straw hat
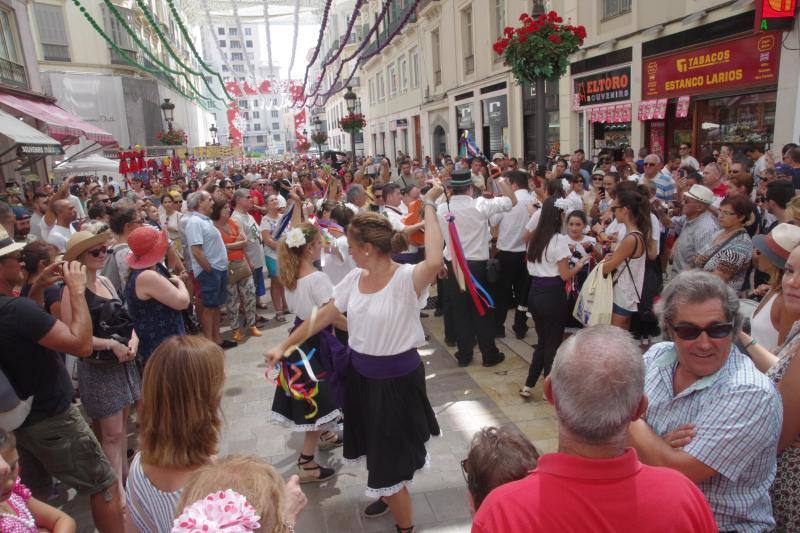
[(80, 241), (778, 243), (701, 193), (7, 244), (148, 247)]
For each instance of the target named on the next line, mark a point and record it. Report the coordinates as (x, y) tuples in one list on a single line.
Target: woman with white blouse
[(548, 264), (387, 415)]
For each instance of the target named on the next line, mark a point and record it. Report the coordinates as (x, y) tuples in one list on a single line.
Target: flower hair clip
[(295, 238), (226, 511), (562, 204)]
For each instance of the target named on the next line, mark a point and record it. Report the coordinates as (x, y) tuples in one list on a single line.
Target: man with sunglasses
[(711, 414)]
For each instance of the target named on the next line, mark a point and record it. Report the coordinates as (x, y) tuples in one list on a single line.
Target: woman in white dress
[(388, 418)]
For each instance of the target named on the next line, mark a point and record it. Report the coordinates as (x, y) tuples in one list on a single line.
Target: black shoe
[(225, 344), (376, 509), (464, 362), (500, 334), (496, 360), (438, 312), (520, 334), (450, 342)]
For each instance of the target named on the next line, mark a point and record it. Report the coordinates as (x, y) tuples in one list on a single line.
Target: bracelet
[(288, 527), (749, 344), (428, 202)]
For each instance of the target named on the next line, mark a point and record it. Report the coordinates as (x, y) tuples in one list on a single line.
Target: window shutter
[(50, 20)]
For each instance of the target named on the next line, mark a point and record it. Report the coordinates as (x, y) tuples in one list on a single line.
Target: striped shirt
[(150, 509), (737, 413), (665, 187), (694, 236)]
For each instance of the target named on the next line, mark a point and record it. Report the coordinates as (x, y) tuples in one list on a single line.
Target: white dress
[(761, 326), (312, 290)]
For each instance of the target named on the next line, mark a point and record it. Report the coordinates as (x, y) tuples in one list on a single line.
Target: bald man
[(65, 214)]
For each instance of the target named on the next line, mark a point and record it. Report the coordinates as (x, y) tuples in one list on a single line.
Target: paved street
[(464, 401)]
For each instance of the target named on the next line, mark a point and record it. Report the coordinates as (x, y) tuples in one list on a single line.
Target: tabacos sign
[(744, 62), (603, 87)]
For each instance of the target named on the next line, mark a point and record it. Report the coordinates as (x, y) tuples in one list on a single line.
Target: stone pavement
[(464, 399)]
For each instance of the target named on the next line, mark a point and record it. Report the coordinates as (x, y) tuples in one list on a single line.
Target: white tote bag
[(596, 299)]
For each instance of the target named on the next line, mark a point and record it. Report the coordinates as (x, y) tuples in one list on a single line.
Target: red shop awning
[(62, 125)]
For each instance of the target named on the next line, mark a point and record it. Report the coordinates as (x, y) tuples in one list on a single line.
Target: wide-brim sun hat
[(148, 246), (8, 246), (701, 193), (778, 243), (80, 241)]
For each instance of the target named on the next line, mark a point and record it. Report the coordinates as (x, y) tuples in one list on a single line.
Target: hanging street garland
[(128, 59), (322, 28), (189, 41), (269, 39), (294, 37), (350, 25)]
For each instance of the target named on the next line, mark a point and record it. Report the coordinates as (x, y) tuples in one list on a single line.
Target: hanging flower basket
[(540, 47), (352, 123), (302, 146), (173, 137), (320, 138)]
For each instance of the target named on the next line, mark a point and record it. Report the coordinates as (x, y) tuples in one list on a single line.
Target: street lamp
[(350, 100), (168, 108), (317, 130), (213, 130)]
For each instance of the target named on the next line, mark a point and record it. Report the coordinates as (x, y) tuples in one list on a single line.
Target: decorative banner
[(603, 87), (235, 124), (661, 109), (299, 124), (682, 109), (743, 62), (576, 102)]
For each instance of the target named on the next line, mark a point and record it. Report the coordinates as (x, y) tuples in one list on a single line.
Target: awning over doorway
[(62, 125), (29, 141)]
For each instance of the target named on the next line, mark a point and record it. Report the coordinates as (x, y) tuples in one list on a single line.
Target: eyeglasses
[(103, 250), (598, 178), (727, 213), (464, 472), (690, 332)]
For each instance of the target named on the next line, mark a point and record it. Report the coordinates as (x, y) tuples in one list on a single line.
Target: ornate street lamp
[(213, 130), (351, 100), (168, 108)]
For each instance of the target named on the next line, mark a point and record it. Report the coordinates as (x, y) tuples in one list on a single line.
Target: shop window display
[(736, 121)]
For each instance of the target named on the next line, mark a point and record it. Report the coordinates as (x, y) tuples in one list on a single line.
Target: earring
[(366, 253)]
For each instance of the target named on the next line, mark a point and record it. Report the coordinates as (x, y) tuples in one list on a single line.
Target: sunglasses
[(690, 332), (103, 250), (15, 257), (649, 164)]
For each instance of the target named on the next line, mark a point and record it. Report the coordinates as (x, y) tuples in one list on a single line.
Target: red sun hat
[(148, 247)]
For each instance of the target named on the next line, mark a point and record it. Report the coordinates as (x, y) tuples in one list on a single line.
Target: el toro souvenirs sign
[(603, 87), (744, 62)]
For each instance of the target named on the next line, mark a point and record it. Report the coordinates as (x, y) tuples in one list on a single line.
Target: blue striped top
[(151, 510)]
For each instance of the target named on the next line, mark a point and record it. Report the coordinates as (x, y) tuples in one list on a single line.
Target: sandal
[(329, 440), (279, 317), (305, 477), (404, 529), (525, 392)]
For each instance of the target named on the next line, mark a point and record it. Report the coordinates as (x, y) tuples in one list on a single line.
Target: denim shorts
[(213, 287), (272, 266), (258, 281)]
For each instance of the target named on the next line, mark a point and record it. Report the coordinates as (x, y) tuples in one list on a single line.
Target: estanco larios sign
[(603, 87), (743, 62)]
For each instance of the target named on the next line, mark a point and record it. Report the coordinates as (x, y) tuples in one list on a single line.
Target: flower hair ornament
[(295, 238), (226, 511), (562, 204)]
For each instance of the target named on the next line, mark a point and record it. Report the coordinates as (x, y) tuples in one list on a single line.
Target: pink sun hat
[(148, 246)]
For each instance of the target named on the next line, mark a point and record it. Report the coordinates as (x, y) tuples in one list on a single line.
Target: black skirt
[(388, 421), (293, 412)]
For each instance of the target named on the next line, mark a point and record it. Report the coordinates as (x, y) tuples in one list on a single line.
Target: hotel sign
[(744, 62)]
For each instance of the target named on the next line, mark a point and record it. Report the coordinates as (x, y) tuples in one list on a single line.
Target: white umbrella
[(94, 163)]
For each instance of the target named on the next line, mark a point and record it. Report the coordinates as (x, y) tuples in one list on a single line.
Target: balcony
[(425, 3), (13, 73), (117, 59), (382, 35), (55, 52)]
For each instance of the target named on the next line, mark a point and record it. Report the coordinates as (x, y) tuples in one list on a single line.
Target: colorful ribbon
[(466, 280)]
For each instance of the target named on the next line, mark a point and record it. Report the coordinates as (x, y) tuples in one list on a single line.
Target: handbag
[(110, 320), (238, 270), (596, 300)]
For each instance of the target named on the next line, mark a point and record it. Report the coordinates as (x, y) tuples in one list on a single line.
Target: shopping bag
[(596, 299)]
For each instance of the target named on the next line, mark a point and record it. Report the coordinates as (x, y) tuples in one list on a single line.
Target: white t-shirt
[(269, 224), (556, 250), (621, 230), (254, 247), (533, 222), (336, 268), (386, 322), (58, 236), (312, 290)]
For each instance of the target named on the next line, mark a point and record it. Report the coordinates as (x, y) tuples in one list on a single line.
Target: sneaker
[(496, 360), (225, 344), (376, 509), (525, 392)]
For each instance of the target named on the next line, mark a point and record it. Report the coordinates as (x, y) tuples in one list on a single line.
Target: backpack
[(111, 269)]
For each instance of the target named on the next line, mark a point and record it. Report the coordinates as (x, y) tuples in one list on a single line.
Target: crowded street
[(404, 266)]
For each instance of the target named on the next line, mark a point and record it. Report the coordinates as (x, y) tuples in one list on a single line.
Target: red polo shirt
[(721, 190), (258, 200), (567, 493)]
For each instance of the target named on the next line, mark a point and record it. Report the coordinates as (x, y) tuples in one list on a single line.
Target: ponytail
[(289, 258)]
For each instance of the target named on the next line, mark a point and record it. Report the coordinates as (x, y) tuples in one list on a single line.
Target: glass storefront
[(495, 125), (736, 121), (465, 120)]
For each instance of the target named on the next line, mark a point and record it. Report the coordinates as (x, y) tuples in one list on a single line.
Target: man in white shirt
[(39, 210), (471, 218), (512, 286), (687, 160), (394, 199), (62, 230)]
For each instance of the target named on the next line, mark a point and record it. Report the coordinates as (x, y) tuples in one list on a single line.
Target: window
[(220, 31), (612, 8), (12, 70), (222, 43), (248, 31), (248, 127), (498, 23), (243, 104), (371, 91), (381, 87), (256, 126), (119, 35), (436, 58), (414, 68), (259, 138), (224, 68), (52, 32), (249, 44), (237, 56), (392, 77), (275, 103), (466, 41), (256, 114), (274, 113), (276, 137), (246, 115), (276, 126), (403, 67), (236, 44), (250, 56), (238, 68), (232, 31)]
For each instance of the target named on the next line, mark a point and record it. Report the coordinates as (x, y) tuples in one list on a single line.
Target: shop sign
[(39, 149), (743, 62), (402, 123), (496, 111), (775, 15), (604, 87)]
